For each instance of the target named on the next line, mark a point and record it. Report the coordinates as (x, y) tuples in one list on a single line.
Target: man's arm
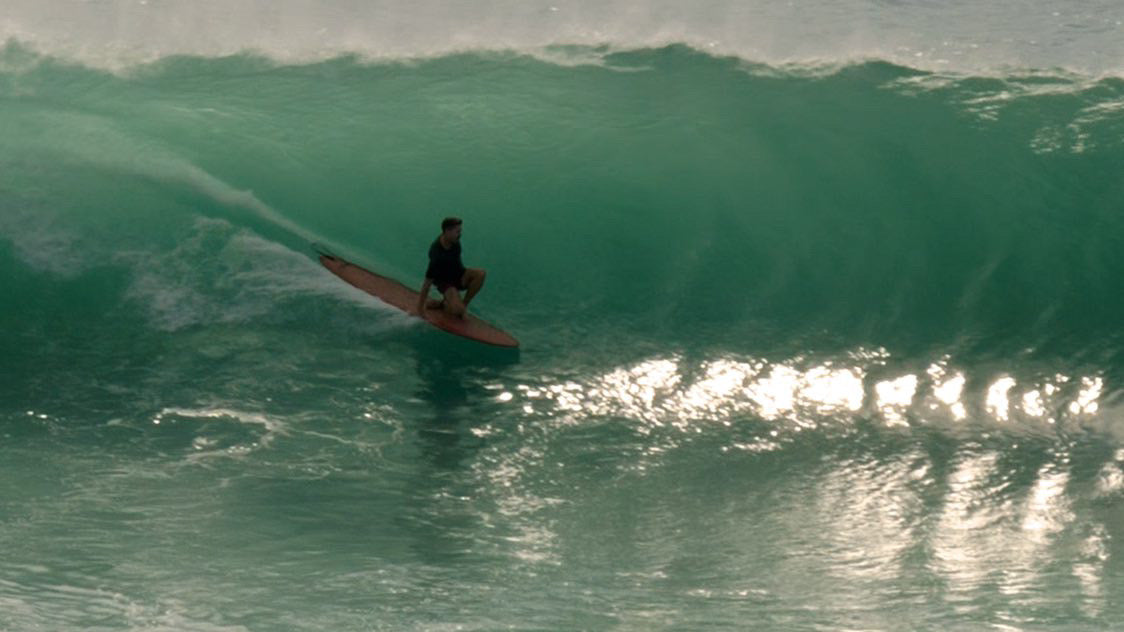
[(422, 296)]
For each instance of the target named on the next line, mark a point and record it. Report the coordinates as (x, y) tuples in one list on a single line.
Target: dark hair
[(450, 222)]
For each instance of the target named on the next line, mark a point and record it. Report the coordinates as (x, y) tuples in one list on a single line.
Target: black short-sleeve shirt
[(445, 264)]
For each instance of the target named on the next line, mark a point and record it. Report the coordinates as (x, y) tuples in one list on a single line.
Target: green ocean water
[(803, 348)]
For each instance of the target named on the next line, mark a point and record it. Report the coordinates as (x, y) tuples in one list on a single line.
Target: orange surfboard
[(394, 293)]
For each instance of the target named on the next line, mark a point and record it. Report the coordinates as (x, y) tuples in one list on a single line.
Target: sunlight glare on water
[(800, 394)]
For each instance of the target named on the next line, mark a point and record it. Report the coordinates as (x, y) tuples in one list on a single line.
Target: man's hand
[(422, 296)]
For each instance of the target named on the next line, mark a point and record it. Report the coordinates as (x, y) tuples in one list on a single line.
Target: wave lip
[(963, 38)]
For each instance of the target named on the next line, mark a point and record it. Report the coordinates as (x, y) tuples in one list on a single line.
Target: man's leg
[(453, 303), (473, 280)]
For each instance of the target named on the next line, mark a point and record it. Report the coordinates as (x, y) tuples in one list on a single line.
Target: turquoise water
[(817, 346)]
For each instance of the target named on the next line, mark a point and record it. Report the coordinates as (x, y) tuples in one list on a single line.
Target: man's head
[(451, 228)]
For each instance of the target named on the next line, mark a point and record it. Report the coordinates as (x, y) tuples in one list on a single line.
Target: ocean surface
[(819, 306)]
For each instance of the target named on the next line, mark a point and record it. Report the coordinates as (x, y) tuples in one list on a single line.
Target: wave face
[(815, 345)]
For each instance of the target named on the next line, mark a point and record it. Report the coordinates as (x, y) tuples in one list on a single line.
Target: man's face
[(454, 233)]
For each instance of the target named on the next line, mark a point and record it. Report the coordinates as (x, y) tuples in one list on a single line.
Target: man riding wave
[(448, 273)]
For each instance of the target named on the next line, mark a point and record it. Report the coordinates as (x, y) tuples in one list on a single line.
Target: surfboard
[(395, 293)]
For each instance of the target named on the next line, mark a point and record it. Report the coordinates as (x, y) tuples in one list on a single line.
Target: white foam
[(271, 427), (963, 36), (206, 448), (283, 272), (255, 277), (43, 241)]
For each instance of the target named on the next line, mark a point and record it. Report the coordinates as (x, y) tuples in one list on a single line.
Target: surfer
[(448, 273)]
